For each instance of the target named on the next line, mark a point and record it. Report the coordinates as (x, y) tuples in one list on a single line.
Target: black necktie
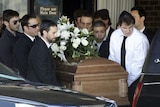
[(96, 47), (123, 53), (50, 50), (34, 40)]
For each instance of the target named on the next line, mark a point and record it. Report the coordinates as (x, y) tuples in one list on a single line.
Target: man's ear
[(143, 18), (25, 27), (5, 23), (44, 33)]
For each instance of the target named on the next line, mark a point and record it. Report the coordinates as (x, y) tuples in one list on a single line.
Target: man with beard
[(42, 67)]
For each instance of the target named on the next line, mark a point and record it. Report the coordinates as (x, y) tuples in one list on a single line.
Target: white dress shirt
[(137, 46), (48, 44), (107, 32), (142, 29)]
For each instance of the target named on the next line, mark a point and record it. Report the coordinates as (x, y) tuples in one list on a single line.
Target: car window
[(8, 74), (152, 62), (7, 103)]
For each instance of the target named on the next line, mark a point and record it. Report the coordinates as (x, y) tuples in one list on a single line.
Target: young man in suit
[(103, 15), (42, 67), (140, 16), (99, 32), (30, 27), (9, 36)]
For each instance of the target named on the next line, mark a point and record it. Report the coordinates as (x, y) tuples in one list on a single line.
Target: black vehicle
[(147, 93), (15, 91)]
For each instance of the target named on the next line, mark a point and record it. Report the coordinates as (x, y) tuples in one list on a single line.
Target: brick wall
[(152, 8)]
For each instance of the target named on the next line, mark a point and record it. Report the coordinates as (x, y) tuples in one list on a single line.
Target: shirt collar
[(122, 34), (142, 29), (107, 31), (30, 37), (48, 44)]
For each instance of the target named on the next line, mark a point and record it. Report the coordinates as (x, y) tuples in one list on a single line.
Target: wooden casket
[(96, 76)]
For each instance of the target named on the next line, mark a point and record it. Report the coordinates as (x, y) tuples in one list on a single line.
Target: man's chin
[(53, 40)]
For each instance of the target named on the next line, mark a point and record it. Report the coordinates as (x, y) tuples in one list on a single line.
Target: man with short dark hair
[(103, 15), (30, 26), (9, 36), (77, 17), (86, 20), (129, 48), (140, 16)]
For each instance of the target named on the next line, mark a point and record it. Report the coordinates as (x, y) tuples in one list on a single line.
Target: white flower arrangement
[(72, 41)]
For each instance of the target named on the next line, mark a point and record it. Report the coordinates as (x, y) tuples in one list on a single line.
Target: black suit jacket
[(7, 43), (41, 64), (149, 34), (104, 48), (21, 52)]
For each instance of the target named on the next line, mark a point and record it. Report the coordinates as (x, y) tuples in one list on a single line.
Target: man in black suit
[(140, 15), (103, 15), (9, 36), (30, 27), (42, 67)]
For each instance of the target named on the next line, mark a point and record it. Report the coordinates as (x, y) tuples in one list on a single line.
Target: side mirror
[(16, 71)]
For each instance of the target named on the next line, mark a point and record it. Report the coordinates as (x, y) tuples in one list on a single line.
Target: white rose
[(84, 41), (63, 48), (55, 47), (75, 45), (76, 42), (76, 32)]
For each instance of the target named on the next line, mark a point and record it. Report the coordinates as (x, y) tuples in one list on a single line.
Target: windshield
[(8, 74)]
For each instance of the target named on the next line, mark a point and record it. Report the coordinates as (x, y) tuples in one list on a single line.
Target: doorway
[(69, 6)]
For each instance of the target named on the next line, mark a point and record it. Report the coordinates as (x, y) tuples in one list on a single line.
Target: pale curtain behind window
[(115, 7)]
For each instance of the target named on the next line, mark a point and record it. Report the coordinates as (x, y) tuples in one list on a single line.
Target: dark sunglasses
[(15, 22), (34, 26)]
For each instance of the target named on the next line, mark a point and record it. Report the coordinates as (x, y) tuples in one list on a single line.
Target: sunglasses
[(15, 22), (34, 26)]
